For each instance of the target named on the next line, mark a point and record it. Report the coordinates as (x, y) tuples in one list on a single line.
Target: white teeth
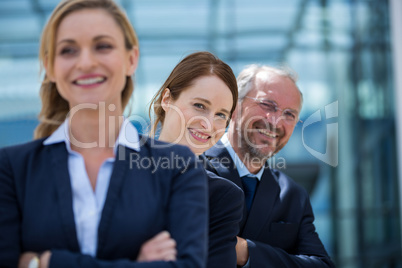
[(266, 133), (204, 137), (90, 81)]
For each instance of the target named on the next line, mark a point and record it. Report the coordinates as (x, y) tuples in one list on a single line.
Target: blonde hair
[(192, 67), (54, 108)]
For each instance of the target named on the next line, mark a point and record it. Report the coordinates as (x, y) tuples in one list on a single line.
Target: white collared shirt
[(241, 168), (88, 204)]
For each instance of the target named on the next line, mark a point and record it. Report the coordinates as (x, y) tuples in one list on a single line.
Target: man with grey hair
[(277, 229)]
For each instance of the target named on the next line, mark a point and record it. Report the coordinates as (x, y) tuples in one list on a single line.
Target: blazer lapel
[(265, 197), (59, 170), (113, 193), (223, 163)]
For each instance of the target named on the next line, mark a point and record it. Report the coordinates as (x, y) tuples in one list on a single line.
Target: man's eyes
[(268, 106)]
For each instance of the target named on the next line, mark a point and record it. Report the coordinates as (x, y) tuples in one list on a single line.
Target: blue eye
[(199, 106), (222, 115), (289, 115)]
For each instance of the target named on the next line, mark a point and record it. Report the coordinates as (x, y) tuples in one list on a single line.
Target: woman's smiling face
[(198, 117), (91, 61)]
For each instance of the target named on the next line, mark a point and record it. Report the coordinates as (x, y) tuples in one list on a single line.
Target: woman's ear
[(49, 74), (165, 99), (132, 61)]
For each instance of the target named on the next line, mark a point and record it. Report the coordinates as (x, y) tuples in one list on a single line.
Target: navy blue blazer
[(279, 227), (226, 201), (36, 211)]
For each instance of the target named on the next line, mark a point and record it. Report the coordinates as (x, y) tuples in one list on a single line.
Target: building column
[(396, 45)]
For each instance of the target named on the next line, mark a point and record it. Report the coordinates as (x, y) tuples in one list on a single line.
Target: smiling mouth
[(267, 133), (199, 135), (90, 81)]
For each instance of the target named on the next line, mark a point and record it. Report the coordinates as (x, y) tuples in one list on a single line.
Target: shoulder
[(218, 158), (216, 151), (18, 160), (167, 158), (287, 183), (221, 183), (221, 188), (160, 148), (22, 150)]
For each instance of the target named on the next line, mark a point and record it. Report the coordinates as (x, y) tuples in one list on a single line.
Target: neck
[(163, 136), (90, 129)]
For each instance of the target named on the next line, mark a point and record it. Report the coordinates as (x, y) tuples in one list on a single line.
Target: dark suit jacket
[(36, 211), (226, 201), (279, 227)]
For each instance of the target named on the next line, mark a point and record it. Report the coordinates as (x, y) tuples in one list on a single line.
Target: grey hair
[(246, 78)]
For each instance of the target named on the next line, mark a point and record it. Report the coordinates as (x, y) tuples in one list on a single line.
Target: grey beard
[(252, 151)]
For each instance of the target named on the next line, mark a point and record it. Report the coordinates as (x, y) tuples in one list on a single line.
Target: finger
[(164, 246), (25, 258), (169, 255), (161, 247), (167, 243), (151, 254), (170, 258), (158, 238), (157, 246), (161, 236)]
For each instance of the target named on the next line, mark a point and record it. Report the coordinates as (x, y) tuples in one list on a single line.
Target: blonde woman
[(80, 194)]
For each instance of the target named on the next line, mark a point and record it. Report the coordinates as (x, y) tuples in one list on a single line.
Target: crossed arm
[(162, 247), (160, 251), (309, 251)]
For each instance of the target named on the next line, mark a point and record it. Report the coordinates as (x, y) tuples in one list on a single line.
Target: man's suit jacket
[(226, 201), (144, 197), (279, 227)]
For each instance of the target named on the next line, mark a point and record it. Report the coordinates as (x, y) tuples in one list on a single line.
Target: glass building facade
[(345, 150)]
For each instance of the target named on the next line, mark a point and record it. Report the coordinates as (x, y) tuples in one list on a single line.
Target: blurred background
[(345, 152)]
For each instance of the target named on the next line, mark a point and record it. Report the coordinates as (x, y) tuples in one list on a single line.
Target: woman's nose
[(86, 60), (206, 122)]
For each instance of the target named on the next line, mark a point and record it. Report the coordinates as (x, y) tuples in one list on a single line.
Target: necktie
[(249, 186)]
